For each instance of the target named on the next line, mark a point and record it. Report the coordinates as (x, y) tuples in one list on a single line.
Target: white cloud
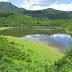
[(43, 4), (65, 7), (3, 0), (37, 4)]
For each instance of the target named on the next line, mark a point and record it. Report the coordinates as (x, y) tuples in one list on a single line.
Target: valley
[(35, 41)]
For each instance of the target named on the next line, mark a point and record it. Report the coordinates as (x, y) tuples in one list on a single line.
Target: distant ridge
[(51, 13), (9, 7), (46, 13)]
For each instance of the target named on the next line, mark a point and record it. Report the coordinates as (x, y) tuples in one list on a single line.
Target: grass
[(65, 63), (18, 23), (21, 31), (4, 28), (22, 55)]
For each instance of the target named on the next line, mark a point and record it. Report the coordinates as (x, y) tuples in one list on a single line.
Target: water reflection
[(59, 40)]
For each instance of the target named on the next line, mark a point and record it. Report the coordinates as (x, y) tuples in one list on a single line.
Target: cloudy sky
[(65, 5)]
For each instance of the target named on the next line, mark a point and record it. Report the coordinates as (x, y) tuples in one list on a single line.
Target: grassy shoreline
[(22, 55), (21, 31)]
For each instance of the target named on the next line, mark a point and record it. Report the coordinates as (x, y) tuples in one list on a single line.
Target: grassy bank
[(22, 31), (22, 55)]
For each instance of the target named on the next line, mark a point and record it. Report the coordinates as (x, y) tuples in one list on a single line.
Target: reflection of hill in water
[(58, 40)]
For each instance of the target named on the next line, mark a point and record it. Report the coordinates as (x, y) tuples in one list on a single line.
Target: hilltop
[(51, 14), (8, 7), (46, 13)]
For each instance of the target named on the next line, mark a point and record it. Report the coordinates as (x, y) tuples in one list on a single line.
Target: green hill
[(9, 7), (24, 23), (46, 13), (22, 55), (18, 19), (50, 13), (12, 16)]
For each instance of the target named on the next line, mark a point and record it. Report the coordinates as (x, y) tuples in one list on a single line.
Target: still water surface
[(61, 41)]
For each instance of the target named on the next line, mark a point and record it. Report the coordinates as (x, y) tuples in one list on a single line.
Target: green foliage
[(46, 13), (21, 20), (50, 13), (27, 24), (64, 64), (22, 55)]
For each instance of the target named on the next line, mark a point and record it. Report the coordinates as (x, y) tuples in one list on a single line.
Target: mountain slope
[(51, 13), (21, 23), (46, 13), (22, 55), (8, 7)]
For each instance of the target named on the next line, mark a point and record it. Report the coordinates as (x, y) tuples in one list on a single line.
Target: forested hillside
[(23, 55), (46, 13), (22, 20), (51, 14)]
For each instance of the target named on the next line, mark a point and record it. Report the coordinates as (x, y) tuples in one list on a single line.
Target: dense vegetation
[(21, 22), (51, 14), (19, 19), (46, 13), (65, 64), (50, 18), (22, 55)]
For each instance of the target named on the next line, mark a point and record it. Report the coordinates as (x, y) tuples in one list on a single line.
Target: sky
[(65, 5)]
